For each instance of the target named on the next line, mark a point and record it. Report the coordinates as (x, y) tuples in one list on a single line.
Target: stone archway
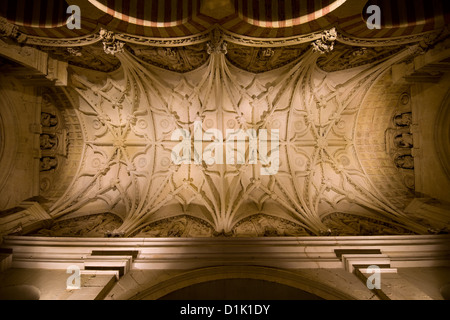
[(239, 289), (441, 134), (311, 288)]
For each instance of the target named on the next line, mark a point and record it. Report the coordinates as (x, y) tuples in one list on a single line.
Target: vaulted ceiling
[(140, 70)]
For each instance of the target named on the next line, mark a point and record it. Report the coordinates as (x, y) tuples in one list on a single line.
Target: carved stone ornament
[(326, 42), (343, 224), (91, 57), (111, 45), (217, 43), (399, 139), (76, 51), (257, 60), (97, 225)]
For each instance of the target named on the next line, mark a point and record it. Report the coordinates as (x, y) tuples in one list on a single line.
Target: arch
[(260, 13), (283, 277), (239, 289), (149, 14), (374, 127), (442, 134), (8, 136)]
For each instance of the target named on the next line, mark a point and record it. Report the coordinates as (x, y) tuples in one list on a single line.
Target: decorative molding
[(183, 253), (269, 42), (344, 38), (165, 42), (114, 42), (12, 31), (64, 42)]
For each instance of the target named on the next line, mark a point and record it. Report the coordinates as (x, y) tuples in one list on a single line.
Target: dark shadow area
[(239, 289), (19, 292)]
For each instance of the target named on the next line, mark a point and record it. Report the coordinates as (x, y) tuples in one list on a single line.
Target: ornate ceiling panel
[(252, 59), (146, 141), (131, 160)]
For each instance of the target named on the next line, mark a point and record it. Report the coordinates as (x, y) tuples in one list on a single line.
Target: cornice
[(281, 252), (228, 36)]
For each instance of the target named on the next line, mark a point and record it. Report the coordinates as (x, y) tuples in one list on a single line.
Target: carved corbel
[(111, 45), (326, 42), (217, 43)]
